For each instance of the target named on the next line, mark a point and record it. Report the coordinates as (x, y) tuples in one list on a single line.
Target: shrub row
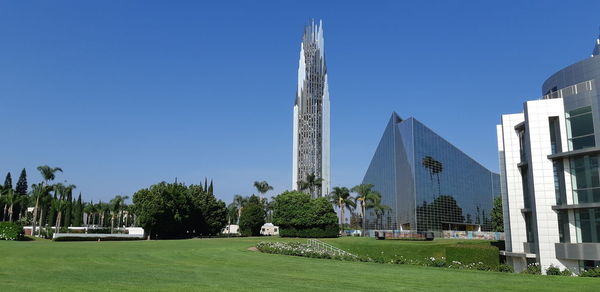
[(555, 271), (594, 272), (11, 231), (471, 253), (305, 250)]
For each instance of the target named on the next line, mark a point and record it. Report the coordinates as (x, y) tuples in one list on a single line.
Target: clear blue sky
[(124, 94)]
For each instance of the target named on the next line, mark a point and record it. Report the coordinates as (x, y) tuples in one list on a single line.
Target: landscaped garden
[(227, 264)]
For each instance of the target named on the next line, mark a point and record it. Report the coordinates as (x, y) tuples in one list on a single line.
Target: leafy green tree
[(252, 217), (210, 215), (341, 198), (174, 211), (297, 214), (497, 217)]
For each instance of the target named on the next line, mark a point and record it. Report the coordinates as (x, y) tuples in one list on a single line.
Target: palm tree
[(11, 199), (262, 187), (379, 209), (115, 206), (310, 183), (64, 193), (88, 209), (48, 174), (340, 197), (366, 196), (239, 202)]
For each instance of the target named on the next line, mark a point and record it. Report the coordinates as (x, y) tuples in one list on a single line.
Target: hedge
[(80, 238), (11, 231), (309, 232), (472, 254)]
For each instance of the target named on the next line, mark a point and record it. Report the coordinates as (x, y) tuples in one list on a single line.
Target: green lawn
[(416, 250), (227, 265)]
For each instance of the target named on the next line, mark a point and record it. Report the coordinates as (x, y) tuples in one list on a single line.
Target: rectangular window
[(563, 227), (529, 226), (580, 128), (585, 179), (525, 186), (559, 182), (521, 134), (587, 222), (554, 124)]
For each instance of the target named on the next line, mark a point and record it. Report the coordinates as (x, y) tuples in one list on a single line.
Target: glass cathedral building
[(429, 184)]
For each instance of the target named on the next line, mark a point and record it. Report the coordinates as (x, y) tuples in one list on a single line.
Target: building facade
[(311, 113), (549, 168), (429, 184)]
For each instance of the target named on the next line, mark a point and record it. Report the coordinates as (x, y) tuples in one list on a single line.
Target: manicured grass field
[(228, 265), (416, 250)]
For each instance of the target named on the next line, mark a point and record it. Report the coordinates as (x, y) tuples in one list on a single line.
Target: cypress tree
[(78, 212), (21, 190), (21, 187), (210, 188), (8, 182), (68, 210)]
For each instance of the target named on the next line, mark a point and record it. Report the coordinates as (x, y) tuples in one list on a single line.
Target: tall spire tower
[(311, 114)]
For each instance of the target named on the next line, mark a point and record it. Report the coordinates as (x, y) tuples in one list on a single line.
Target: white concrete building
[(311, 144), (549, 162)]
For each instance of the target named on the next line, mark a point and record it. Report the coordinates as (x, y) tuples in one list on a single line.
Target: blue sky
[(124, 94)]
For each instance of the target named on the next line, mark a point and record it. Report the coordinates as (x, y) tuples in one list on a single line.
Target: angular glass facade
[(429, 184)]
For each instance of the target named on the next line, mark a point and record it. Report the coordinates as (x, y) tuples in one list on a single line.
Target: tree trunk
[(58, 217), (10, 212), (364, 227), (4, 213), (342, 218), (41, 217), (35, 211)]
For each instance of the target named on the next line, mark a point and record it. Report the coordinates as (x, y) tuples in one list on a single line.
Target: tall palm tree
[(312, 183), (48, 174), (366, 196), (11, 199), (239, 202), (115, 207), (88, 209), (64, 193), (379, 209), (341, 198), (262, 187)]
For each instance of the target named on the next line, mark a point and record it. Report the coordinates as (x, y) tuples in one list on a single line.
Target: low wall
[(97, 235), (473, 235)]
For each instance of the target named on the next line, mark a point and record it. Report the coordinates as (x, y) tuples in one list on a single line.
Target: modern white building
[(311, 113), (550, 180)]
